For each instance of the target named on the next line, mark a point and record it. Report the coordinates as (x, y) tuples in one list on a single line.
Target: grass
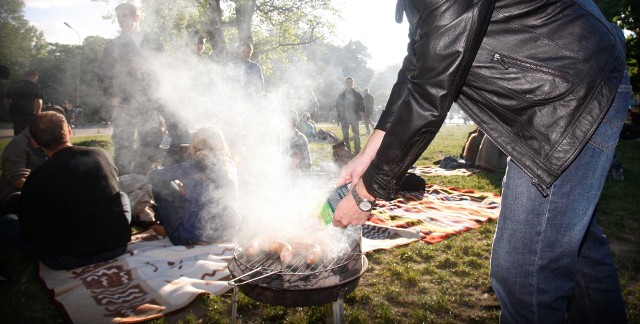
[(446, 282)]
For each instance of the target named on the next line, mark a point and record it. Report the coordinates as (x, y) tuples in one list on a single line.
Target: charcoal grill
[(297, 284)]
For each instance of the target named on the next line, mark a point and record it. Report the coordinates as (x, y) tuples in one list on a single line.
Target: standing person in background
[(547, 82), (248, 72), (350, 109), (24, 98), (313, 106), (69, 111), (177, 124), (79, 116), (368, 110), (127, 81), (199, 39), (299, 154)]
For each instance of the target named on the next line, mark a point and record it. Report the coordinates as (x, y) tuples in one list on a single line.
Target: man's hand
[(348, 213)]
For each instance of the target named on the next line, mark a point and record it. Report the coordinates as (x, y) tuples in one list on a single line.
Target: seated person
[(18, 159), (71, 212), (298, 146), (196, 198), (307, 127)]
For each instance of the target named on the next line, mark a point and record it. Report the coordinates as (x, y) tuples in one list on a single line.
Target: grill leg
[(234, 305), (334, 312)]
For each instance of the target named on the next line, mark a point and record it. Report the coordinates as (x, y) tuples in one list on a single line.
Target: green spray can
[(329, 206)]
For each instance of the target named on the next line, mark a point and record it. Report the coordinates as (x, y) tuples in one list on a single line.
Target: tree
[(626, 14), (17, 40)]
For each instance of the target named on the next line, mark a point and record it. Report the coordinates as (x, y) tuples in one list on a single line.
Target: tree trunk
[(244, 14), (218, 42)]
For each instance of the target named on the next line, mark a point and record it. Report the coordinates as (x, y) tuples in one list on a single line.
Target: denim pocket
[(607, 135)]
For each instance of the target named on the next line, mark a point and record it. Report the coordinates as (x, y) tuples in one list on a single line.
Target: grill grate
[(270, 262), (266, 270)]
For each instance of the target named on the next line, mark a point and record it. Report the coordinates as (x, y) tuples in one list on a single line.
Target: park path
[(84, 131)]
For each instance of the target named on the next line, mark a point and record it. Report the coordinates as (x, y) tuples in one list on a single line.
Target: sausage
[(311, 250), (253, 248), (257, 245), (281, 248)]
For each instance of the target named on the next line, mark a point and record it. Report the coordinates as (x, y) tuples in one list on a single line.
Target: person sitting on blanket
[(71, 212), (196, 198), (299, 154), (17, 161)]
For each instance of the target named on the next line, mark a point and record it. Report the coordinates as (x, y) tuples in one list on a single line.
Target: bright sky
[(371, 22)]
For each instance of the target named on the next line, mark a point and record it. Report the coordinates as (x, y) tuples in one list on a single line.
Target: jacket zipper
[(506, 62)]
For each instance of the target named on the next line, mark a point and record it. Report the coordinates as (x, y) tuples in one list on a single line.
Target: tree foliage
[(18, 38), (626, 14)]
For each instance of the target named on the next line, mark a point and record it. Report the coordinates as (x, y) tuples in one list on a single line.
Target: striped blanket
[(438, 213)]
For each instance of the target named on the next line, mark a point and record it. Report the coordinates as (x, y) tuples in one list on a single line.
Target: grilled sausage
[(253, 248), (281, 248), (311, 250)]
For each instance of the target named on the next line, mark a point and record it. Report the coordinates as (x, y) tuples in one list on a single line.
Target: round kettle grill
[(298, 284)]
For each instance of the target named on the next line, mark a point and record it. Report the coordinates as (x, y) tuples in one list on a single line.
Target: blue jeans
[(550, 260), (170, 204)]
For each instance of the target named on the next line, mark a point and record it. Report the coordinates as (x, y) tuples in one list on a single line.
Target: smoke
[(272, 197)]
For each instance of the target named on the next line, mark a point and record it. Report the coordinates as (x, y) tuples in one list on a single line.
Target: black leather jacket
[(536, 76)]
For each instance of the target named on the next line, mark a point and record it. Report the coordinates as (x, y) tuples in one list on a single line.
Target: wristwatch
[(364, 204)]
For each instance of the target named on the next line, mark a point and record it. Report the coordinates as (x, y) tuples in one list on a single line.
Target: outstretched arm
[(347, 212)]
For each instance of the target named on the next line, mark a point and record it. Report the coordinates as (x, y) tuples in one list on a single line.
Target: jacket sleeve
[(14, 160), (361, 108), (447, 37)]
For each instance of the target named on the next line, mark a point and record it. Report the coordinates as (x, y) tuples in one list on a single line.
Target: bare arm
[(347, 212)]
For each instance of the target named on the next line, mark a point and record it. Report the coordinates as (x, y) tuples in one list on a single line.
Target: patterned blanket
[(151, 279), (437, 213), (437, 171), (154, 277)]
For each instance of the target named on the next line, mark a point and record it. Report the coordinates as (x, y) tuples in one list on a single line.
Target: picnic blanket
[(150, 280), (154, 277), (436, 214), (438, 171)]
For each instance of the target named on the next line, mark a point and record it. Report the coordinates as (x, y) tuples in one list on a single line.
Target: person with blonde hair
[(196, 198)]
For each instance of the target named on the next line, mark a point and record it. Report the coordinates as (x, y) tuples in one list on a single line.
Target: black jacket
[(71, 204), (536, 76), (349, 115)]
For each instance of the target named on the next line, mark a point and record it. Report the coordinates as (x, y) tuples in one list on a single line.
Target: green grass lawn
[(446, 282)]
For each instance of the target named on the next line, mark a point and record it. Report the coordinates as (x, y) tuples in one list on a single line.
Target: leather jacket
[(536, 76)]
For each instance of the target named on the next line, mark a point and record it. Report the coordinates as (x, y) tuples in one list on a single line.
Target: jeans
[(550, 260), (355, 128), (10, 233), (170, 204)]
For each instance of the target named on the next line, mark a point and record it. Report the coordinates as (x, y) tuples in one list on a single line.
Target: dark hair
[(49, 129)]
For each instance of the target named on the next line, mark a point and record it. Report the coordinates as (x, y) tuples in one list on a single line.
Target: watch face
[(365, 205)]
